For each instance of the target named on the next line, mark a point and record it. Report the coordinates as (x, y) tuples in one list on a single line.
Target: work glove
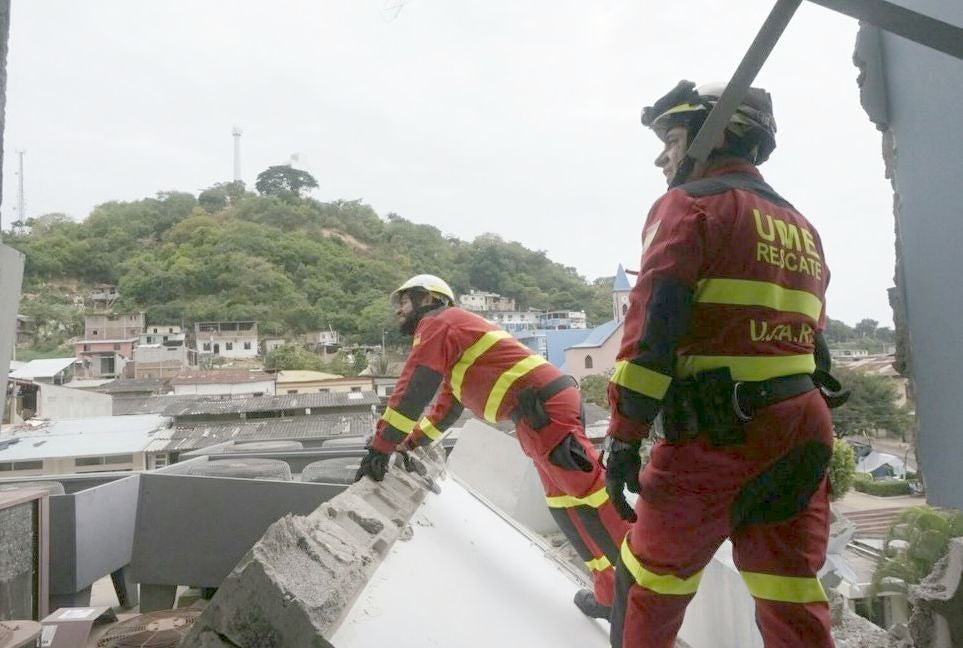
[(570, 455), (374, 465), (623, 464)]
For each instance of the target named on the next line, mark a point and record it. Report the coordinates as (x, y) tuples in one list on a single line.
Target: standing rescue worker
[(460, 360), (720, 336)]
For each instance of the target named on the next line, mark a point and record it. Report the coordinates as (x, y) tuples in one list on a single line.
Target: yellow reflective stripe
[(748, 367), (506, 380), (787, 589), (744, 292), (471, 354), (429, 429), (599, 564), (658, 583), (396, 419), (639, 379), (595, 500)]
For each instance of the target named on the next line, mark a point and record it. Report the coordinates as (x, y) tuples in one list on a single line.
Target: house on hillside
[(26, 331), (233, 382), (53, 371), (113, 326), (485, 302), (103, 358), (227, 339), (561, 320), (321, 340)]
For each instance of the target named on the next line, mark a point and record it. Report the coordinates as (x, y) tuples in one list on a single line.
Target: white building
[(564, 319), (99, 444), (514, 321), (484, 302), (227, 339)]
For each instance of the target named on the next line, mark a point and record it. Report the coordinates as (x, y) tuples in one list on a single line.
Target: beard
[(410, 323)]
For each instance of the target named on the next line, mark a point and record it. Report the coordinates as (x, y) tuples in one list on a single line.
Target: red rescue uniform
[(460, 360), (732, 277)]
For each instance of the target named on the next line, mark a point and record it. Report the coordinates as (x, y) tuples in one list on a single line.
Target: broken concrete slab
[(937, 619), (294, 587)]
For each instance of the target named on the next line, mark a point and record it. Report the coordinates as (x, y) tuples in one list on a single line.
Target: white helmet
[(435, 286)]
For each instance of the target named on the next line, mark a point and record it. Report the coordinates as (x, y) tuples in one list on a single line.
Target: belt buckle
[(736, 407)]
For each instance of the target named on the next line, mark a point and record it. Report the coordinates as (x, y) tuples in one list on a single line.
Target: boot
[(586, 602)]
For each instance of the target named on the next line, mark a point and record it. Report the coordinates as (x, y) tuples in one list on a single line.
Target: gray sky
[(518, 118)]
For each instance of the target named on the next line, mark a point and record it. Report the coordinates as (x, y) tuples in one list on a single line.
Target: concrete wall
[(11, 276), (64, 402), (603, 357), (915, 93)]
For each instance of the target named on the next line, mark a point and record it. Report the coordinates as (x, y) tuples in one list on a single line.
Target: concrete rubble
[(937, 619), (295, 585)]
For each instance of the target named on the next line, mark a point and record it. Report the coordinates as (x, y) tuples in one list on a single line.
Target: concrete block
[(937, 619), (296, 584)]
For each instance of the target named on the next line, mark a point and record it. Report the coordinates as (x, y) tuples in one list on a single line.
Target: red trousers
[(577, 500), (693, 497)]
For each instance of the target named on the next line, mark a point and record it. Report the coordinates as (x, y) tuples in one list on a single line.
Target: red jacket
[(731, 276), (459, 359)]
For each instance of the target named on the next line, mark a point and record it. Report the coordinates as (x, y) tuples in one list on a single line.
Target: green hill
[(293, 264)]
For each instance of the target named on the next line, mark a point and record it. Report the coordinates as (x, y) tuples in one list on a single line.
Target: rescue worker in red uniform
[(721, 337), (460, 360)]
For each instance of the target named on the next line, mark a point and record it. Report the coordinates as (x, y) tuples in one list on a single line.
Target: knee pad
[(785, 488)]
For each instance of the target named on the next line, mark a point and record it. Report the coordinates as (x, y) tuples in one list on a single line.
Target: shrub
[(890, 488), (842, 469)]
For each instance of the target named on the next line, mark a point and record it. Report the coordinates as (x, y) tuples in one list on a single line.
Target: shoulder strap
[(729, 181)]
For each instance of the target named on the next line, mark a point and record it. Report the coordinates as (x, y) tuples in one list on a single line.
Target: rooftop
[(273, 403), (621, 283), (85, 437), (44, 368), (599, 335), (301, 375), (184, 438), (220, 377)]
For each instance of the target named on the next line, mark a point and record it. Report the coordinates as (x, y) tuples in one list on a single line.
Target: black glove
[(570, 455), (374, 465), (623, 463)]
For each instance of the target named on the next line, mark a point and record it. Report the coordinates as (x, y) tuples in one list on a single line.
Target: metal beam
[(919, 28), (707, 137)]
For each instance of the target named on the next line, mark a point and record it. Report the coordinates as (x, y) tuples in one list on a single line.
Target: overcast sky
[(518, 118)]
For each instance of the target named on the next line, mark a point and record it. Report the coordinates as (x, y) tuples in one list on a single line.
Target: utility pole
[(236, 132), (21, 202)]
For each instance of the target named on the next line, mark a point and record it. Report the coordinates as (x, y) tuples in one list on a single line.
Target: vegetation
[(871, 406), (595, 388), (842, 469), (864, 483), (917, 540), (292, 263)]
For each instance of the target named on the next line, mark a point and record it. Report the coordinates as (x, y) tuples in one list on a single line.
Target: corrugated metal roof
[(86, 437), (43, 368), (360, 400), (184, 438), (224, 376), (133, 385)]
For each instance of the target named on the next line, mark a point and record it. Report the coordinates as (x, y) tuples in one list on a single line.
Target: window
[(588, 362), (292, 391), (324, 390), (95, 331), (86, 347), (247, 346), (228, 346), (105, 460), (21, 465), (207, 346), (355, 389), (170, 330)]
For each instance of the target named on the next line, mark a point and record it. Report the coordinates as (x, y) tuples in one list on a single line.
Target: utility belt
[(715, 405), (531, 401)]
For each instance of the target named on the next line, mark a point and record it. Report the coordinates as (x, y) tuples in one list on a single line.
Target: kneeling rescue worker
[(460, 360), (723, 337)]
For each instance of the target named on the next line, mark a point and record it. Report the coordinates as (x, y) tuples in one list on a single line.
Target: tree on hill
[(284, 179)]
